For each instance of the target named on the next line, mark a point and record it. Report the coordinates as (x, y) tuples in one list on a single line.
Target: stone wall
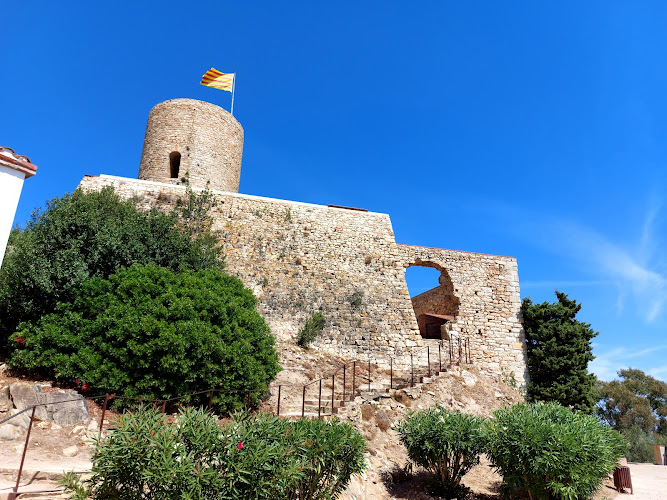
[(208, 139), (438, 300), (300, 258), (489, 309)]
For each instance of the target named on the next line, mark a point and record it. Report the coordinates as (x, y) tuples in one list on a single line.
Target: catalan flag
[(223, 81)]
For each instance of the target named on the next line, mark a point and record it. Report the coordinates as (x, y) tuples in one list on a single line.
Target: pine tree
[(559, 350)]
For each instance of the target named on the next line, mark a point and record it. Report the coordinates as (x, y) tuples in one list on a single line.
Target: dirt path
[(649, 482)]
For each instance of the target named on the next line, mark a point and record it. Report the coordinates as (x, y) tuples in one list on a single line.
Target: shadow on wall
[(437, 307)]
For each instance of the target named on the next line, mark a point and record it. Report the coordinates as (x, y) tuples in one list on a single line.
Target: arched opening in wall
[(174, 164), (433, 299)]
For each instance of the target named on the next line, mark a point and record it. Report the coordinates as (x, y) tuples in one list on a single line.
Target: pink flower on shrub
[(240, 446), (85, 387), (78, 382), (19, 340)]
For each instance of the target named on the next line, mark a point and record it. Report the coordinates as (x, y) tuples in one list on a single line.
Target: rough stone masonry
[(299, 258)]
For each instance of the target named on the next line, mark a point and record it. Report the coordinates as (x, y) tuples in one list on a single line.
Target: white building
[(14, 169)]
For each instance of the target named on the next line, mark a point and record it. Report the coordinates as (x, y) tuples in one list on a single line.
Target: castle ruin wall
[(438, 300), (489, 305), (299, 258)]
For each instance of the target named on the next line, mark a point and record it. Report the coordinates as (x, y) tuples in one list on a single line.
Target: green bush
[(84, 235), (640, 444), (333, 452), (148, 332), (551, 451), (254, 456), (311, 329), (446, 443)]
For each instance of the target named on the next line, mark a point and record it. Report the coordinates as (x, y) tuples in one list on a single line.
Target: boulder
[(5, 402), (468, 378), (70, 451), (23, 395), (22, 420), (71, 412), (68, 408), (10, 432)]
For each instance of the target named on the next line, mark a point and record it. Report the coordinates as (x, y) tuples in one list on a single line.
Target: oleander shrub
[(446, 443), (332, 452), (311, 329), (152, 333), (254, 456), (84, 235), (552, 451)]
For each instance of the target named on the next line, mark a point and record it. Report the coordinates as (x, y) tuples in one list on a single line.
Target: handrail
[(343, 367), (464, 353)]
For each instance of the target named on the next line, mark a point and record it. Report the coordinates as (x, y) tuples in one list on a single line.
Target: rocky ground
[(55, 446), (375, 416)]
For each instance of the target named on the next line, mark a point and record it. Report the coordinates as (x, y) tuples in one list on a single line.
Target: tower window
[(174, 164)]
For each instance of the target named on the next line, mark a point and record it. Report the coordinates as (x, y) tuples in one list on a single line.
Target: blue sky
[(531, 129)]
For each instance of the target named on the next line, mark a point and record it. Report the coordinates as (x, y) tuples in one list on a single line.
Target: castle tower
[(186, 135)]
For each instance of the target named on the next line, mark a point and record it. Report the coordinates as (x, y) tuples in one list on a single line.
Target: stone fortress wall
[(299, 258)]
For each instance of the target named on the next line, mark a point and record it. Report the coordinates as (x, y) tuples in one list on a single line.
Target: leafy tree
[(254, 457), (148, 332), (636, 406), (446, 443), (84, 235), (641, 443), (559, 350), (552, 451)]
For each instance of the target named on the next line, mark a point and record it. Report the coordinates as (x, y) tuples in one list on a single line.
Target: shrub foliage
[(446, 443), (85, 235), (551, 451), (148, 332), (255, 456), (311, 329)]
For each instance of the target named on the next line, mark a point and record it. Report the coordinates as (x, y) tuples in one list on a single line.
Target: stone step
[(326, 403), (34, 483), (377, 390), (294, 415)]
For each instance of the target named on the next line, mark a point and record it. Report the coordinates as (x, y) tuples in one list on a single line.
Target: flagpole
[(233, 87)]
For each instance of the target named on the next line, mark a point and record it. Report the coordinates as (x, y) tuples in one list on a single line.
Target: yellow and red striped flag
[(217, 80)]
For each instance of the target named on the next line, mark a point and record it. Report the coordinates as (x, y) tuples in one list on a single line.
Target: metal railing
[(458, 351)]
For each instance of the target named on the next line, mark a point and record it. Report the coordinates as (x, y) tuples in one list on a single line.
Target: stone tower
[(186, 135)]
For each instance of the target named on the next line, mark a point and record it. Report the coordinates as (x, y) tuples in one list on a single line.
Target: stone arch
[(435, 309)]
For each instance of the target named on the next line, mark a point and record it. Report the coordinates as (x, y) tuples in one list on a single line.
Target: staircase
[(319, 401)]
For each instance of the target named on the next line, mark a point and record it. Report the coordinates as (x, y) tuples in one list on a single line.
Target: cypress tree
[(559, 350)]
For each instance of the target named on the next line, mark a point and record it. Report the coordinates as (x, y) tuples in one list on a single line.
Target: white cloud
[(637, 271), (648, 287), (605, 365), (660, 373)]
